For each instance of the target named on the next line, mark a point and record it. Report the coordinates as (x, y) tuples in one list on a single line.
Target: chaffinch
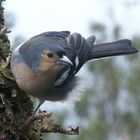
[(45, 65)]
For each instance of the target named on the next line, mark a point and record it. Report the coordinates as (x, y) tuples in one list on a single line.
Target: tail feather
[(121, 47)]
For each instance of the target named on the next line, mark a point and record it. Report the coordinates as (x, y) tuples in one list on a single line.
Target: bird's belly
[(35, 84)]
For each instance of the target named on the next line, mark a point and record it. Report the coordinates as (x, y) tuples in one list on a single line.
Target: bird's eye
[(49, 54)]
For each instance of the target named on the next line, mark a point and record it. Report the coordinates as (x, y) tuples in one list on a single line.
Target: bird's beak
[(64, 61)]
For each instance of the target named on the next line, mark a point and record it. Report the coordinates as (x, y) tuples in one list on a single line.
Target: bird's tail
[(121, 47)]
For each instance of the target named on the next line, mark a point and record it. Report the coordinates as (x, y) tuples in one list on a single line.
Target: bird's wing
[(81, 49)]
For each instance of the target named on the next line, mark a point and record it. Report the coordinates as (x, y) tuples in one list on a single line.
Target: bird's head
[(53, 56)]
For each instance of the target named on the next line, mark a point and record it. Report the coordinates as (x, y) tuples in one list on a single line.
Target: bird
[(46, 65)]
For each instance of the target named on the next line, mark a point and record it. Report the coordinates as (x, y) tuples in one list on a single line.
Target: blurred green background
[(110, 107)]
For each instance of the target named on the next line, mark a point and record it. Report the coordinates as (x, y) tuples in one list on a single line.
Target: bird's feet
[(29, 120)]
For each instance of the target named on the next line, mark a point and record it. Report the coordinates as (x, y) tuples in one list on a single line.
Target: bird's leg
[(29, 120)]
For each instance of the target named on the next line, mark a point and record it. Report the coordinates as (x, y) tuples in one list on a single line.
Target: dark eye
[(49, 54)]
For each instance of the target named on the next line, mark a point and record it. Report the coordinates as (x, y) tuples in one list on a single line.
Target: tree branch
[(43, 124)]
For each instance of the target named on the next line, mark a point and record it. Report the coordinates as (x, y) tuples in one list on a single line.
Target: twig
[(55, 128), (43, 124)]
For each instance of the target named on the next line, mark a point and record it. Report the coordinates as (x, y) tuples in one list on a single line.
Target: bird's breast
[(36, 84)]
